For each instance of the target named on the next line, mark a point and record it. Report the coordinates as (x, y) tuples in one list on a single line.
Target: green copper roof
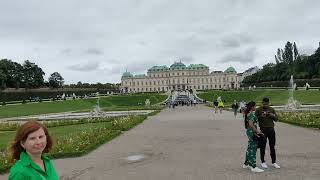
[(230, 70), (197, 66), (178, 65), (158, 68), (140, 76), (127, 74)]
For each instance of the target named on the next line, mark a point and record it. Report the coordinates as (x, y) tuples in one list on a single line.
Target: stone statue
[(147, 102)]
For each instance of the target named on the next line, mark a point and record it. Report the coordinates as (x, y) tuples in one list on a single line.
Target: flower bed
[(82, 142), (304, 119)]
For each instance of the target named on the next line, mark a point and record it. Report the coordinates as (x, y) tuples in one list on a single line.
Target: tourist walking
[(266, 117), (215, 104), (242, 107), (220, 105), (235, 108), (252, 130), (31, 141)]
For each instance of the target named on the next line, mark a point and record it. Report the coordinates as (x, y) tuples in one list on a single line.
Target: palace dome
[(230, 70)]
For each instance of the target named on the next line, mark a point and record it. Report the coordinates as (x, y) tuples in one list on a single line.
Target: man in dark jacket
[(235, 107), (266, 117)]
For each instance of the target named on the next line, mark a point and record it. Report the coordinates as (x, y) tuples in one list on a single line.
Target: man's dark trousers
[(269, 134)]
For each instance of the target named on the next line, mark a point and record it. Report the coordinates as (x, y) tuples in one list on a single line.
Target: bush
[(4, 103), (24, 101)]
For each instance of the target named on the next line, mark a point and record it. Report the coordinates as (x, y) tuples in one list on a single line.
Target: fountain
[(292, 103), (63, 96), (97, 110)]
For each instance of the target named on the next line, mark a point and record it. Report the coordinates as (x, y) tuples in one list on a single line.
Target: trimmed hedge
[(18, 95), (300, 83)]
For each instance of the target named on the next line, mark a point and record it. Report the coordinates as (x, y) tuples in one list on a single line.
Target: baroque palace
[(180, 77)]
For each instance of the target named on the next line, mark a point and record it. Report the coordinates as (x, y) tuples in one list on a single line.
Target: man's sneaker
[(275, 165), (256, 170), (245, 166), (264, 165)]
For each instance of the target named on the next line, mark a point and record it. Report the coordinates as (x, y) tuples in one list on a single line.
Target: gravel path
[(193, 143)]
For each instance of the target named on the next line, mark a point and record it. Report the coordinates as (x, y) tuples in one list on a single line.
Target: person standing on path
[(215, 104), (31, 141), (266, 117), (242, 107), (251, 122), (220, 106), (235, 107)]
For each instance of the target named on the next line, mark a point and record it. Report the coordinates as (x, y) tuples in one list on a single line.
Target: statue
[(307, 86), (147, 102)]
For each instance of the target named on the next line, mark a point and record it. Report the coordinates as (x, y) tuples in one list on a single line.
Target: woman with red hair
[(31, 141)]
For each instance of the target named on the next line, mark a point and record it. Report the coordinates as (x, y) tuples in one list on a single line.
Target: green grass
[(7, 136), (110, 103), (277, 97)]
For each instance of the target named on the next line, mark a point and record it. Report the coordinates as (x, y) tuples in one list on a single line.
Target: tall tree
[(279, 56), (32, 75), (56, 80), (288, 56), (3, 79), (295, 51)]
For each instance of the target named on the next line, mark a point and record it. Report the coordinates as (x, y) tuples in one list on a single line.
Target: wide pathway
[(193, 143)]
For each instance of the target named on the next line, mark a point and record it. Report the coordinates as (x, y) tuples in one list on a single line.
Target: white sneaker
[(245, 166), (275, 165), (264, 165), (256, 170)]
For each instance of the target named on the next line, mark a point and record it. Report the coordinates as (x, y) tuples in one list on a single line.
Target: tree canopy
[(288, 62)]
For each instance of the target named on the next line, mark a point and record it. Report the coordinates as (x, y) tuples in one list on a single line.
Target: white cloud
[(97, 41)]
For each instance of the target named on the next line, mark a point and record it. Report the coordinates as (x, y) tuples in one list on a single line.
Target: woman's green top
[(25, 168), (251, 117)]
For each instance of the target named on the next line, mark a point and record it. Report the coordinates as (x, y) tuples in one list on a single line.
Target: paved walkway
[(193, 143)]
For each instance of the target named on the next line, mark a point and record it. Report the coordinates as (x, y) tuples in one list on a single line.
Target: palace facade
[(179, 77)]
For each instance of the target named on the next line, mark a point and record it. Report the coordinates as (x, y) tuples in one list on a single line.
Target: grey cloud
[(136, 34), (246, 56), (94, 51), (236, 40), (86, 66), (186, 59), (66, 51)]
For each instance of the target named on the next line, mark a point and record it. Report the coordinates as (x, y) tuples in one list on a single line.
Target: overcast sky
[(97, 40)]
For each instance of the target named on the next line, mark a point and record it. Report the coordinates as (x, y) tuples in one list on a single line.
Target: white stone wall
[(190, 79)]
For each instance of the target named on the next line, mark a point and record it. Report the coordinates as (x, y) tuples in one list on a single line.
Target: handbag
[(260, 139)]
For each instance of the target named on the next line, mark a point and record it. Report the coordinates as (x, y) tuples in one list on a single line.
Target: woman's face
[(253, 108), (35, 143)]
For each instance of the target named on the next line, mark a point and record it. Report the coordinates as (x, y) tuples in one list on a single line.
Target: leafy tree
[(55, 80), (32, 75), (3, 79)]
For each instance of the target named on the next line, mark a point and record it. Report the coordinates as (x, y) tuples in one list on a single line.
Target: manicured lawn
[(7, 136), (110, 103), (277, 97)]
